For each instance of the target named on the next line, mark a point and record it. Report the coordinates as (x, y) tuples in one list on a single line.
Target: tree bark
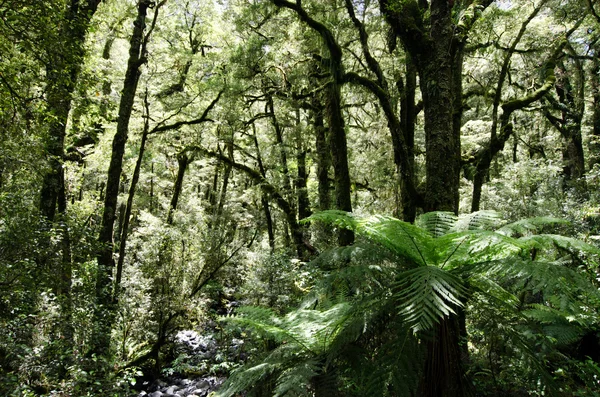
[(127, 215), (65, 59), (62, 72), (595, 80), (401, 127), (572, 99), (263, 199), (182, 162), (333, 114), (104, 311), (339, 156), (224, 186), (301, 188), (441, 144), (434, 43), (323, 156), (408, 116)]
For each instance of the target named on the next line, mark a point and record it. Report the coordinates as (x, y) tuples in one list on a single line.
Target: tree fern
[(437, 223), (383, 294), (427, 294)]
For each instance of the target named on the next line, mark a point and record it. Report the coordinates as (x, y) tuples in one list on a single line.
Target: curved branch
[(203, 118), (401, 153), (364, 42), (334, 49), (265, 186), (505, 65)]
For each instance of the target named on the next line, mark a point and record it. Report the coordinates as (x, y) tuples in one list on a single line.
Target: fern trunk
[(443, 374)]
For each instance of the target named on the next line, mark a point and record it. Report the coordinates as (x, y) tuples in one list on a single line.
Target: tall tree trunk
[(339, 156), (287, 186), (441, 144), (263, 199), (225, 185), (65, 59), (301, 189), (127, 213), (323, 156), (281, 146), (401, 126), (333, 114), (595, 82), (434, 43), (64, 295), (182, 162), (443, 373), (570, 90), (62, 72), (104, 313), (407, 120)]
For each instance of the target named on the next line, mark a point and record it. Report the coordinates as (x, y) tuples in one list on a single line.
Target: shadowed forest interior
[(299, 198)]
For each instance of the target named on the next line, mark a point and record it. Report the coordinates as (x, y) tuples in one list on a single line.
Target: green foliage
[(440, 264)]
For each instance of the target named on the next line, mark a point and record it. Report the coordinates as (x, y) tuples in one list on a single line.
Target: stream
[(193, 350)]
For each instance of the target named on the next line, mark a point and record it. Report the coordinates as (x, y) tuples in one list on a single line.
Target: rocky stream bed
[(199, 352)]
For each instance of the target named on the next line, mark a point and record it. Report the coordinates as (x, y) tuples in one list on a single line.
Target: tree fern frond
[(530, 225), (427, 294), (561, 326), (342, 219), (492, 289), (404, 239), (479, 220), (244, 378), (360, 252), (295, 381), (462, 249), (437, 223), (569, 244), (552, 278), (531, 357), (260, 320), (563, 334)]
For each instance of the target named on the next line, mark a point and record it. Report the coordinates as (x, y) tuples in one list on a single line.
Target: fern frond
[(476, 246), (437, 223), (552, 278), (426, 295), (244, 378), (479, 220), (360, 252), (404, 239), (530, 225), (294, 381), (568, 244), (500, 296)]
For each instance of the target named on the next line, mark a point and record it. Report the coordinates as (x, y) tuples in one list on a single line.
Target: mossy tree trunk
[(435, 43), (104, 312), (302, 174), (65, 57), (333, 114), (570, 91), (595, 80), (323, 155)]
